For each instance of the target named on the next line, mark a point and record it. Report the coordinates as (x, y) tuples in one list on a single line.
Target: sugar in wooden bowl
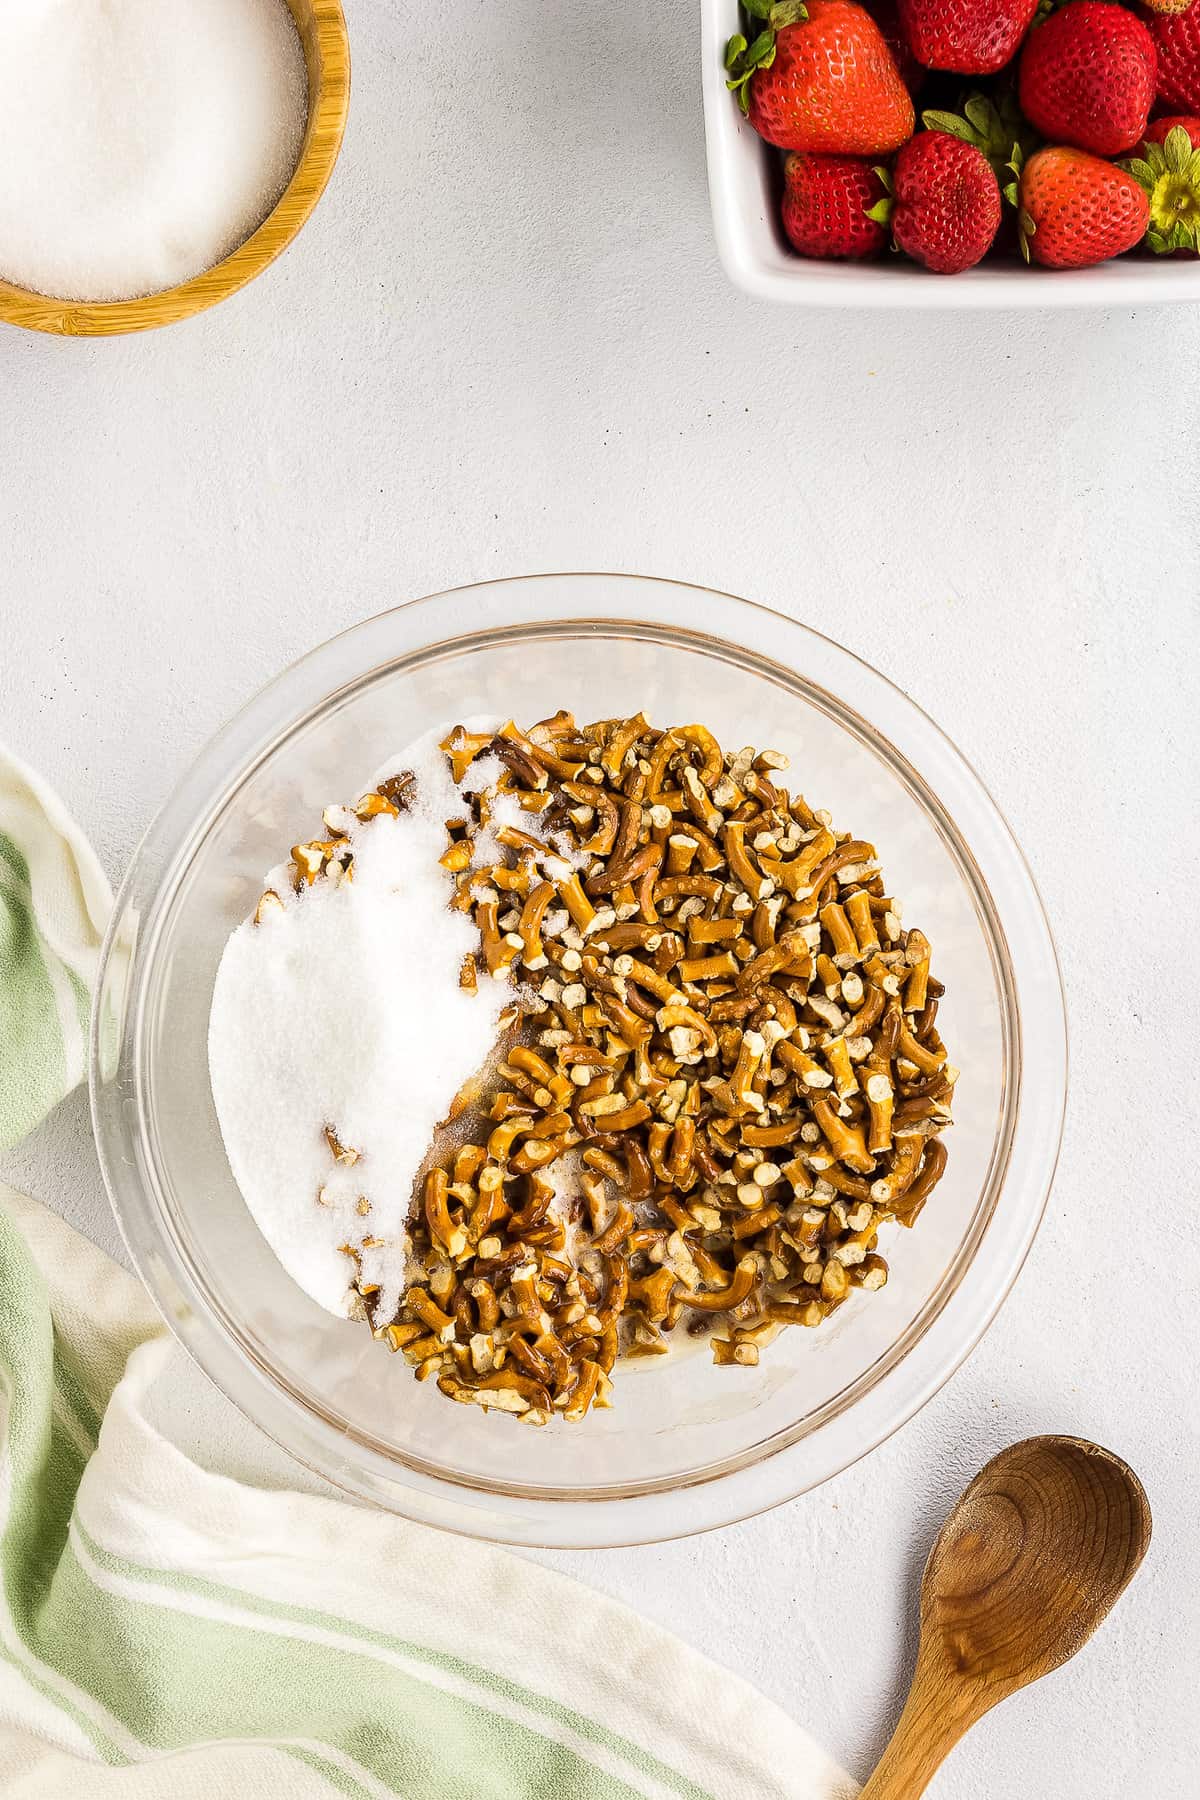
[(154, 158)]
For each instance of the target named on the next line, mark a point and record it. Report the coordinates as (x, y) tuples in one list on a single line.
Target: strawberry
[(1076, 209), (1156, 131), (820, 77), (1177, 40), (993, 125), (971, 37), (1168, 171), (825, 202), (1087, 77), (886, 14), (945, 209), (1169, 6)]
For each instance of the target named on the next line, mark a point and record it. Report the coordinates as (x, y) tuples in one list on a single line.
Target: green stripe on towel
[(169, 1633)]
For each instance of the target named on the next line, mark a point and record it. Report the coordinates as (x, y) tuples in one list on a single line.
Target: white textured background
[(504, 345)]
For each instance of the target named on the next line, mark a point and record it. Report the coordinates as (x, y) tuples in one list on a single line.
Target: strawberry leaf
[(882, 210), (995, 129), (1169, 175), (1143, 172), (742, 62), (776, 13), (952, 125), (787, 12), (982, 114), (1177, 149)]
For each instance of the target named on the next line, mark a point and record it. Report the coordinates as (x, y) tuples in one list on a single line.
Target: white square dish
[(743, 185)]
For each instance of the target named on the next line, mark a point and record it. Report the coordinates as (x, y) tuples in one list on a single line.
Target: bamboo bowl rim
[(323, 36)]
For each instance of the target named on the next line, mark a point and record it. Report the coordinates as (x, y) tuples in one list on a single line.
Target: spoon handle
[(933, 1720)]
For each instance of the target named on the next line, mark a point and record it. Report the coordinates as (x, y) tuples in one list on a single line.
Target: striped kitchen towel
[(170, 1633), (54, 905)]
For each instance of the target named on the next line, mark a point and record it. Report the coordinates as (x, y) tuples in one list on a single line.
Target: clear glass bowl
[(686, 1446)]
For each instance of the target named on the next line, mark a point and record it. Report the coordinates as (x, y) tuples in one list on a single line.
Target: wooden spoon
[(1030, 1561)]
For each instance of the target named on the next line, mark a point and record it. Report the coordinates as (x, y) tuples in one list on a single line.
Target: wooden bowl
[(322, 29)]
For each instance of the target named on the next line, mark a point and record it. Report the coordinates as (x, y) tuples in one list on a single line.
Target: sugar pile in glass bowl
[(343, 1011)]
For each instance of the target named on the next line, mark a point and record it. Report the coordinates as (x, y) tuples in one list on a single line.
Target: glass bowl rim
[(553, 1516)]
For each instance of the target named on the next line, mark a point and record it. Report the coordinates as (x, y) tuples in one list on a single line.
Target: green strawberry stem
[(998, 130), (743, 59), (1026, 224), (1011, 190), (1169, 175), (776, 13), (883, 209)]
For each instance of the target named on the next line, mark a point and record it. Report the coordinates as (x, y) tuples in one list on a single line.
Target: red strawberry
[(825, 202), (972, 37), (1167, 168), (886, 14), (994, 126), (1177, 40), (1087, 77), (946, 209), (820, 77), (1076, 209), (1156, 131)]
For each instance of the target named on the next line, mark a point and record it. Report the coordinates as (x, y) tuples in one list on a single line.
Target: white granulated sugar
[(141, 141), (505, 811), (344, 1009), (508, 813), (483, 773)]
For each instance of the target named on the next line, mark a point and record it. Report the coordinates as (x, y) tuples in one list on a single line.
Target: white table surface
[(504, 344)]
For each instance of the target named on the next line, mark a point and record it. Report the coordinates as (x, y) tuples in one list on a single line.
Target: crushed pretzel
[(721, 1019)]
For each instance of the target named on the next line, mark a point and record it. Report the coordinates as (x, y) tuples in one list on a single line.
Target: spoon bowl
[(1030, 1561)]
